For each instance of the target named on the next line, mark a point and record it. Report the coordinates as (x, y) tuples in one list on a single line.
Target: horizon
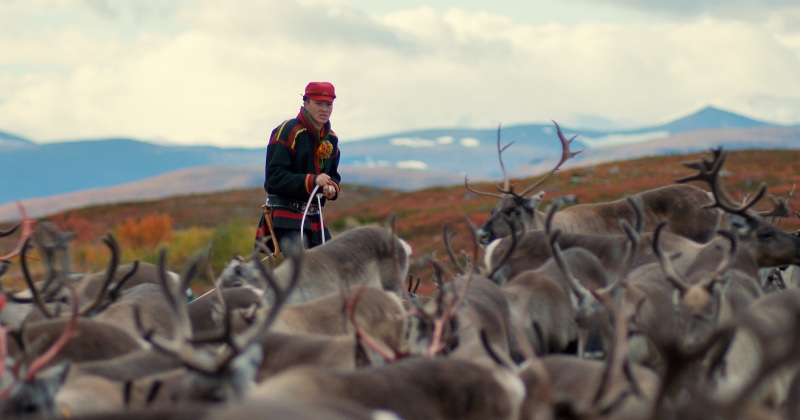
[(589, 141)]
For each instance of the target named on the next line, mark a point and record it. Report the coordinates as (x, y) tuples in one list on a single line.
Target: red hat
[(320, 91)]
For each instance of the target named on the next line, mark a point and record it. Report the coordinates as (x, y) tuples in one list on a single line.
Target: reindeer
[(485, 309), (367, 255), (207, 311), (753, 377), (763, 336), (442, 388), (507, 257), (682, 205), (461, 310), (151, 380), (27, 387), (553, 304), (763, 244), (611, 388), (322, 408), (126, 276), (226, 367), (45, 299), (675, 311), (381, 314), (36, 331)]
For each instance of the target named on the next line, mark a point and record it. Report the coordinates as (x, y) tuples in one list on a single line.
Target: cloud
[(412, 142), (208, 72), (746, 10), (469, 142), (412, 164)]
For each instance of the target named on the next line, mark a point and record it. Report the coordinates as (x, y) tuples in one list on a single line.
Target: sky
[(225, 73)]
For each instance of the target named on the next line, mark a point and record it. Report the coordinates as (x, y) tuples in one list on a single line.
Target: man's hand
[(326, 185), (323, 180)]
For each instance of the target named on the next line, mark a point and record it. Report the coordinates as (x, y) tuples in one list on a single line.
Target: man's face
[(319, 111)]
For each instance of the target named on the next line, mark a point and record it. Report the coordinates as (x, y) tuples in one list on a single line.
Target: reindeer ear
[(534, 201)]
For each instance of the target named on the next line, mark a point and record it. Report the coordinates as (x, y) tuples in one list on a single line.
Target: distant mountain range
[(52, 177)]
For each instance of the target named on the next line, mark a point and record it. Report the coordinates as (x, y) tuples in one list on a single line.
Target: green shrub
[(230, 240)]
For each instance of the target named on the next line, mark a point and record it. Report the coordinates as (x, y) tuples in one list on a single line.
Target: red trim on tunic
[(315, 226), (310, 183)]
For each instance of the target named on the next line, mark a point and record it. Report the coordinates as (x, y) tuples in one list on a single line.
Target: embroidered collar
[(324, 148)]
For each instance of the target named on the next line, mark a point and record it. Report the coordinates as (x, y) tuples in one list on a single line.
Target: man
[(303, 153)]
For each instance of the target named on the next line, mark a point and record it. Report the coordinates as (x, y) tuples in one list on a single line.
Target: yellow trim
[(280, 130), (294, 139)]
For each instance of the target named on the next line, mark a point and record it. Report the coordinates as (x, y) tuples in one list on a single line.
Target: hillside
[(209, 179), (421, 215)]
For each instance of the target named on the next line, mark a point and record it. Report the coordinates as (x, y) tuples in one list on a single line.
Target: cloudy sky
[(226, 72)]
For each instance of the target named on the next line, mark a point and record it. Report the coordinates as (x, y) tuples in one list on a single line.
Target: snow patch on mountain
[(621, 139)]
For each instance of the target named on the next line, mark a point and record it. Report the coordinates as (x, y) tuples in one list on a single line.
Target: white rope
[(305, 213), (321, 222)]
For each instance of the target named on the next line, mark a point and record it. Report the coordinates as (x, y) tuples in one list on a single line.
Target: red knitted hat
[(320, 91)]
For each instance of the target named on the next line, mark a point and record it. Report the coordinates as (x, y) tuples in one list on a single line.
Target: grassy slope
[(421, 215)]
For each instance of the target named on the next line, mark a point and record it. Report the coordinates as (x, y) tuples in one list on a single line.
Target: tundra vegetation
[(641, 319)]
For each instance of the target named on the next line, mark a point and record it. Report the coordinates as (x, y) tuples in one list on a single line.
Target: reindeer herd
[(665, 304)]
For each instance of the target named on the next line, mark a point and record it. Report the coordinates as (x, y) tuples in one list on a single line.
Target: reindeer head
[(27, 388), (240, 272), (697, 300), (224, 371), (518, 210)]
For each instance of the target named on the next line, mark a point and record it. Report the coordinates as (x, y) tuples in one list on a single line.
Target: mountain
[(57, 168), (534, 148), (407, 161), (9, 142), (708, 117)]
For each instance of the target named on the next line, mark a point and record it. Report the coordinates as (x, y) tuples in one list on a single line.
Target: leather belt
[(285, 203)]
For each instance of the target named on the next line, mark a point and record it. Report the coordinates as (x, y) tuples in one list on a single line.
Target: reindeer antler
[(708, 171), (617, 362), (448, 236), (507, 254), (37, 296), (100, 298), (581, 292), (68, 334), (366, 338), (696, 294), (666, 264), (566, 155), (507, 188), (724, 263), (27, 231), (506, 182)]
